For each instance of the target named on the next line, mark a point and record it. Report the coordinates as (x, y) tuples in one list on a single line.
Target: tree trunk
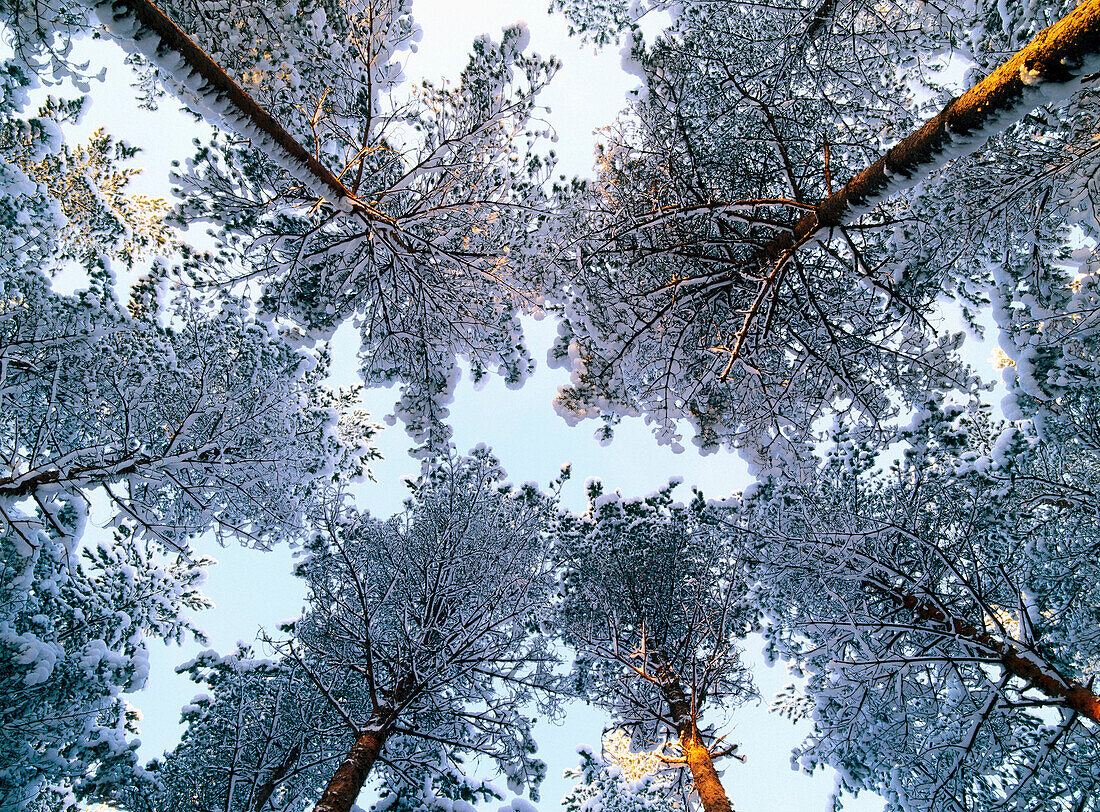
[(697, 755), (248, 114), (277, 775), (1050, 68), (703, 774), (347, 782), (1023, 664)]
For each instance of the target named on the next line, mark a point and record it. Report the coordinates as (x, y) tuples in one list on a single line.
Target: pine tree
[(410, 211), (653, 602), (74, 626), (419, 629), (173, 414), (943, 612), (719, 272)]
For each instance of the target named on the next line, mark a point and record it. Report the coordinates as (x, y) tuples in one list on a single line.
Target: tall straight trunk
[(348, 780), (705, 777), (697, 755), (247, 116)]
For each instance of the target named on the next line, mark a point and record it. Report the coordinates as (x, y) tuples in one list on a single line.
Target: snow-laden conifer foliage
[(260, 736), (439, 782), (74, 629), (603, 782), (652, 599), (784, 230), (725, 273), (432, 250), (183, 428), (943, 611), (419, 631)]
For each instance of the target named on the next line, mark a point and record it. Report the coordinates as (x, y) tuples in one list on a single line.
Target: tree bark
[(708, 785), (1023, 664), (704, 776), (1048, 69), (347, 782), (277, 775)]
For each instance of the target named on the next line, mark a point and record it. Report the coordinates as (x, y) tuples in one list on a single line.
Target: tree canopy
[(792, 231)]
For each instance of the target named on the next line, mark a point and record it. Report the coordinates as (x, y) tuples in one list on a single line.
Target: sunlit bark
[(1049, 69), (696, 754), (221, 85), (712, 795), (1025, 665)]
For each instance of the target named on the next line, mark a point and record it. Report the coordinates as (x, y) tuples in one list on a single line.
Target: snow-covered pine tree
[(74, 626), (413, 211), (653, 601), (178, 415), (724, 274), (420, 629), (943, 611), (260, 737)]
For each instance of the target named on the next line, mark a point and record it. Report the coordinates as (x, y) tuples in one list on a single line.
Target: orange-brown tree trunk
[(712, 795), (173, 38), (347, 782), (1047, 69), (683, 712)]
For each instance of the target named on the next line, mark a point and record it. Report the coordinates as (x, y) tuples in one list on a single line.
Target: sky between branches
[(253, 589)]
